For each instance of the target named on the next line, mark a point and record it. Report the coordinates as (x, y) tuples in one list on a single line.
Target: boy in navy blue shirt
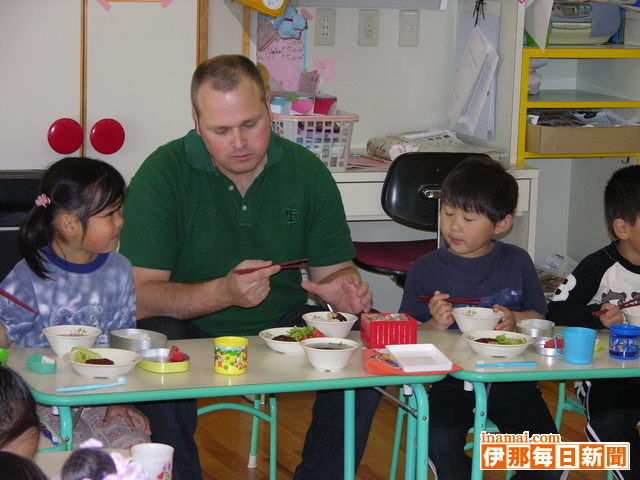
[(478, 200)]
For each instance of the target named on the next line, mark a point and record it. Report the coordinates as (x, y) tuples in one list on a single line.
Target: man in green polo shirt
[(232, 195)]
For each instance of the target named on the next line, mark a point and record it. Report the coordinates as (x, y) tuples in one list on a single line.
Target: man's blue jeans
[(175, 422)]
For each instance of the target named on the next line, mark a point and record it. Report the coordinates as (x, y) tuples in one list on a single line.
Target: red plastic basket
[(380, 333)]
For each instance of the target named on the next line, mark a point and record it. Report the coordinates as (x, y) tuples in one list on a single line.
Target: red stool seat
[(391, 258)]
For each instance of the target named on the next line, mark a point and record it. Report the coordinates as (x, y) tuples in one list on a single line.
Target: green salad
[(505, 340)]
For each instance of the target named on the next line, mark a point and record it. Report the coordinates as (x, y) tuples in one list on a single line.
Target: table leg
[(410, 443), (66, 426), (479, 424), (420, 402), (349, 434)]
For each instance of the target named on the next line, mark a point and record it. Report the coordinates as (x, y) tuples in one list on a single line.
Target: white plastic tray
[(422, 357)]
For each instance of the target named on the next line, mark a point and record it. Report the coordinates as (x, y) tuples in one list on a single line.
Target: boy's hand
[(441, 316), (613, 316), (508, 321)]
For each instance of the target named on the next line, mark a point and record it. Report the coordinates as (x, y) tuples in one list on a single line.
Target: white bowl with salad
[(122, 361), (287, 339), (497, 343), (331, 324)]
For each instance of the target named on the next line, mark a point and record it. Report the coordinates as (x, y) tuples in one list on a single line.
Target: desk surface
[(451, 343), (267, 372)]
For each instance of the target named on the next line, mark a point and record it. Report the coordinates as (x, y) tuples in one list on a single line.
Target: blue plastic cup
[(578, 345), (624, 341)]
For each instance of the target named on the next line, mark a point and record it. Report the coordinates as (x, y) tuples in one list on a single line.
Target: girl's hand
[(441, 316), (508, 321), (131, 416), (613, 316)]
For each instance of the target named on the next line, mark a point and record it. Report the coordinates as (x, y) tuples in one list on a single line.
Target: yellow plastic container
[(230, 355)]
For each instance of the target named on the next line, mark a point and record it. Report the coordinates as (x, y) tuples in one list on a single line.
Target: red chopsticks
[(16, 301), (466, 301), (634, 302), (283, 266)]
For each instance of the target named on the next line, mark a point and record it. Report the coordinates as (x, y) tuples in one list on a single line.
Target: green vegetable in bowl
[(505, 340), (82, 354), (300, 333)]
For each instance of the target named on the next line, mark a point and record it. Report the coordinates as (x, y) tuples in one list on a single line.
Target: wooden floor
[(223, 438)]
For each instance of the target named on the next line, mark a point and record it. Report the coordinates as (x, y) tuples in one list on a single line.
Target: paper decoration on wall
[(106, 6), (309, 82), (327, 68), (283, 57)]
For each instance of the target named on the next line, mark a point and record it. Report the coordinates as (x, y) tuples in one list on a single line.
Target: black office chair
[(410, 196), (18, 191)]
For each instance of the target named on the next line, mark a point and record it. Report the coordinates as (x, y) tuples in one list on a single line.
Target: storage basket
[(380, 333), (327, 136)]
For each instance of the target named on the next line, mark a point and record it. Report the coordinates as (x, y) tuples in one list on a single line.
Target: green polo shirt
[(183, 215)]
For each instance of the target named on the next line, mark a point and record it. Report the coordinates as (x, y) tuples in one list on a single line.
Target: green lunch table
[(268, 372), (451, 343)]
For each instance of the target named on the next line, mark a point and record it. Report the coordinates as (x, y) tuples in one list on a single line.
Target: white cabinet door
[(40, 80), (140, 61)]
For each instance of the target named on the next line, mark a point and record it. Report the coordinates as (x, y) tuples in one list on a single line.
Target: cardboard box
[(631, 28), (567, 140)]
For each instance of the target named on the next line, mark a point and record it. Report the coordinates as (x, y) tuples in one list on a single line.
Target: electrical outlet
[(368, 28), (325, 27), (409, 28)]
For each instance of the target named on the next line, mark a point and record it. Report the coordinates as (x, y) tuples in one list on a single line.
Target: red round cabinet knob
[(107, 136), (65, 135)]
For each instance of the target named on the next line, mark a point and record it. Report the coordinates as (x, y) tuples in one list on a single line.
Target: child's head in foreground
[(19, 424), (88, 464), (477, 203), (622, 205), (77, 197), (16, 467)]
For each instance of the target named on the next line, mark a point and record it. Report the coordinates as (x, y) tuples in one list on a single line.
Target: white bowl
[(323, 353), (536, 327), (288, 348), (632, 315), (495, 350), (476, 318), (63, 338), (329, 326), (123, 363)]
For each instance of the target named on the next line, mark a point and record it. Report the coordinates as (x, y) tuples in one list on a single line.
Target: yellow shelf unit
[(569, 98)]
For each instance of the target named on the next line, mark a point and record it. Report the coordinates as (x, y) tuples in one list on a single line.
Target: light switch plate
[(325, 27), (368, 27), (409, 28)]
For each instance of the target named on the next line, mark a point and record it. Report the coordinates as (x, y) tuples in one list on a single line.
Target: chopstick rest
[(95, 386)]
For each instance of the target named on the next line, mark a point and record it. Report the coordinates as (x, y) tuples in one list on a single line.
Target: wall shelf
[(596, 86)]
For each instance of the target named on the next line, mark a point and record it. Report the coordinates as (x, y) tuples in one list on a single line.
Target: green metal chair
[(400, 418), (571, 404), (258, 414)]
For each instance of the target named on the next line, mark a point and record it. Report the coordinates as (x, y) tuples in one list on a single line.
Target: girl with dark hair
[(88, 464), (19, 424), (71, 273), (16, 467)]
